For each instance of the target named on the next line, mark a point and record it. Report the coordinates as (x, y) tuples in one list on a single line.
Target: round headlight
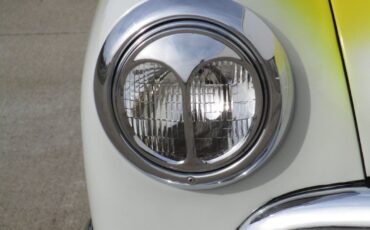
[(205, 122), (193, 102)]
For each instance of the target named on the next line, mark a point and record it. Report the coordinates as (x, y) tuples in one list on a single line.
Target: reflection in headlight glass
[(223, 106), (152, 101)]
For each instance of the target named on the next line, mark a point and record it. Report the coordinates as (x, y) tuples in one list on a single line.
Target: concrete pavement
[(42, 45)]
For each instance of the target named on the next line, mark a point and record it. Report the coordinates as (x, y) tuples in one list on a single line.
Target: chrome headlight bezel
[(126, 41)]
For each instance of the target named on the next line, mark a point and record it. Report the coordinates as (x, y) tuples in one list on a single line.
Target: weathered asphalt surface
[(42, 46)]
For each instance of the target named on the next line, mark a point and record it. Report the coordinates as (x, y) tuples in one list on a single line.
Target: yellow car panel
[(353, 24)]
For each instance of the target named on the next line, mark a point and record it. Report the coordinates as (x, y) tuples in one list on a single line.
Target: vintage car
[(221, 114)]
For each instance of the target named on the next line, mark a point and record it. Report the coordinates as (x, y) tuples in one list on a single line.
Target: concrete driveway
[(42, 45)]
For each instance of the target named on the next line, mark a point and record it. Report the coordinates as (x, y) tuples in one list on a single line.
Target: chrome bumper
[(344, 208)]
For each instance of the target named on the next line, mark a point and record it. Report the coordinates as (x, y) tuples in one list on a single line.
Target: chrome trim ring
[(236, 27), (192, 163)]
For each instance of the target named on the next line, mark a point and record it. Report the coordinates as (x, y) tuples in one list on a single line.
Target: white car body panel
[(320, 147)]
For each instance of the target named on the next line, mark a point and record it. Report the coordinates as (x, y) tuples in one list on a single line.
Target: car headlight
[(189, 99)]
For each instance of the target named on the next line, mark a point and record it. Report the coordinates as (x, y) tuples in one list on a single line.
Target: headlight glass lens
[(223, 106), (222, 110), (151, 98)]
